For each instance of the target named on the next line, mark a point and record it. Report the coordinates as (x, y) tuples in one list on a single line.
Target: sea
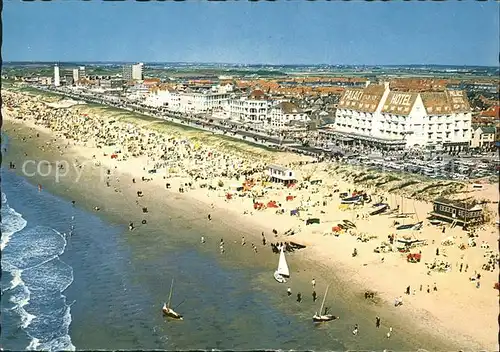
[(73, 279), (69, 282)]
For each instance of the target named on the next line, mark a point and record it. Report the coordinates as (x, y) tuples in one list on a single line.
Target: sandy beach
[(207, 175)]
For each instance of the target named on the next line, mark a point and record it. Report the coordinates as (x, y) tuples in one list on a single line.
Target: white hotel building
[(251, 109), (282, 116), (194, 103), (262, 113), (375, 115)]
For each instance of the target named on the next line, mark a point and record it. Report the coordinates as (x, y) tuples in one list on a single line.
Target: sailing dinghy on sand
[(169, 312), (319, 318), (282, 273)]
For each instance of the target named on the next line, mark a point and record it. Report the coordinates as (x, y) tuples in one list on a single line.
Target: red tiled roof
[(493, 111)]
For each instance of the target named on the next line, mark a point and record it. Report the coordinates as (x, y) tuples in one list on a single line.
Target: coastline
[(325, 253)]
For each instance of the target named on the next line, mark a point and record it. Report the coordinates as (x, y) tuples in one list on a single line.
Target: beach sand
[(457, 311)]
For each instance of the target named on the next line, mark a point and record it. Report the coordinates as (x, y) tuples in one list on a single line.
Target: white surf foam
[(37, 253), (15, 223)]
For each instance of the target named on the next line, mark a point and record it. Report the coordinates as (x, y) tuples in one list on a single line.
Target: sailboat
[(415, 227), (169, 312), (282, 272), (319, 318)]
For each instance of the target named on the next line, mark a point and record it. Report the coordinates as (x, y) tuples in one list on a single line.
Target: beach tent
[(258, 206), (294, 212), (272, 204), (413, 257), (288, 198)]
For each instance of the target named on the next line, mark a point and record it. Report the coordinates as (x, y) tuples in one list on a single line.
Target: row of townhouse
[(256, 110), (404, 119)]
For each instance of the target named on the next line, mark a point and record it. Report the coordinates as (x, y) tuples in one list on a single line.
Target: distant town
[(316, 110)]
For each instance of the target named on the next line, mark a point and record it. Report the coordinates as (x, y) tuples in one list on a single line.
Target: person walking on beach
[(299, 297), (243, 241), (221, 246), (377, 322), (209, 217), (389, 333), (313, 282), (314, 296), (356, 329), (202, 239), (289, 292)]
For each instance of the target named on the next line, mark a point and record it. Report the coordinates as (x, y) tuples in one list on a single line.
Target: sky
[(283, 32)]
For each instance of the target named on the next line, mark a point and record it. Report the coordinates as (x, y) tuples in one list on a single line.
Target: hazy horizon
[(241, 64)]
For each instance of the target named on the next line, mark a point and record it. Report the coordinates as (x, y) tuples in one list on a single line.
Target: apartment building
[(252, 109), (397, 119), (132, 72), (483, 137), (57, 78), (187, 102), (283, 115), (76, 75)]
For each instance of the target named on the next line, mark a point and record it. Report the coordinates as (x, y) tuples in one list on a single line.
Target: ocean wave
[(14, 223), (39, 278), (35, 246)]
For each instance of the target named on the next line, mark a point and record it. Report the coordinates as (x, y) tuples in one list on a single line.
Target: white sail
[(282, 265), (323, 303)]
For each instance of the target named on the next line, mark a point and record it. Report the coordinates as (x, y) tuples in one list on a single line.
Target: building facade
[(187, 102), (377, 115), (81, 72), (252, 109), (76, 75), (132, 72), (283, 115), (57, 78), (68, 78), (483, 137)]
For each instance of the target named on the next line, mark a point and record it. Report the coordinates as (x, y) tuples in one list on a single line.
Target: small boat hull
[(351, 200), (380, 209), (415, 227), (169, 312), (280, 278), (323, 318), (297, 245)]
